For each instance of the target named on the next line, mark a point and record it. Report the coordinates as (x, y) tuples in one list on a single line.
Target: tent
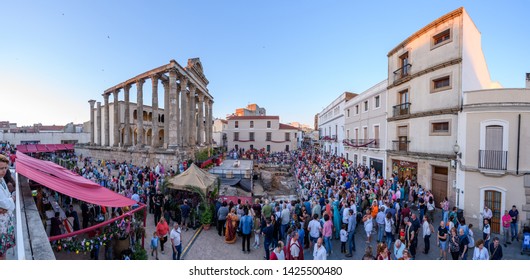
[(193, 176), (68, 183)]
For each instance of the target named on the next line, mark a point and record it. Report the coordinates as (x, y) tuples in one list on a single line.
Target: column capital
[(183, 80), (106, 96), (192, 87), (200, 95), (116, 92), (126, 87), (173, 70), (154, 78), (92, 102), (140, 82)]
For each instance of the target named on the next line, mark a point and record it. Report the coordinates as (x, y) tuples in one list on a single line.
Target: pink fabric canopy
[(68, 183), (44, 148)]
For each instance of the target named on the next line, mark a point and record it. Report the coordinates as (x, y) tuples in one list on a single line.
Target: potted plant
[(207, 217)]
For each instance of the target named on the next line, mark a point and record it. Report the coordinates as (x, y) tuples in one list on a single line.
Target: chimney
[(527, 80)]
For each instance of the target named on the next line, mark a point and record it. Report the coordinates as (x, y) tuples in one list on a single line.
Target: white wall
[(45, 137)]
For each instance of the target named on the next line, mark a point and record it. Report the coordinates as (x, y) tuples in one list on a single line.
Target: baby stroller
[(526, 240)]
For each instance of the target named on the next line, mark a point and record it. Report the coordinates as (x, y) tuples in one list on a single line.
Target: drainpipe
[(518, 143)]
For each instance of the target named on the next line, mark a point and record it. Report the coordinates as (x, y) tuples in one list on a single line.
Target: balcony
[(400, 145), (492, 160), (401, 109), (362, 143), (402, 72)]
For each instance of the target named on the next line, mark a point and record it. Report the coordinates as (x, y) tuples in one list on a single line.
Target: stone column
[(207, 121), (182, 121), (127, 133), (92, 132), (107, 119), (210, 118), (154, 121), (192, 114), (116, 126), (140, 112), (200, 117), (174, 112), (166, 113), (98, 120)]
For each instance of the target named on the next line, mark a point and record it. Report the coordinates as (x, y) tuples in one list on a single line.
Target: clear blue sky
[(291, 57)]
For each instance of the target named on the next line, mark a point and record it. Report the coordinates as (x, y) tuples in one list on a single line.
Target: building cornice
[(417, 34)]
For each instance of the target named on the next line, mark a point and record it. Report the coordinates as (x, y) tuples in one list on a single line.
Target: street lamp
[(456, 149)]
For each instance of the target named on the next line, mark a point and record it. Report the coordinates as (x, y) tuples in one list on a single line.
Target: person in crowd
[(315, 229), (352, 223), (176, 241), (368, 225), (398, 249), (343, 239), (327, 232), (454, 245), (382, 252), (154, 245), (319, 252), (231, 226), (443, 235), (267, 232), (185, 211), (486, 233), (495, 249), (245, 227), (427, 230), (480, 252), (7, 206), (221, 218), (514, 214), (162, 229), (463, 243), (506, 220), (278, 252)]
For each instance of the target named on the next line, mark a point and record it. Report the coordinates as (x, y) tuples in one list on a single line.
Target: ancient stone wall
[(138, 157)]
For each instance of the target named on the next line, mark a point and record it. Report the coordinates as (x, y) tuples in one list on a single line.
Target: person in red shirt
[(506, 219)]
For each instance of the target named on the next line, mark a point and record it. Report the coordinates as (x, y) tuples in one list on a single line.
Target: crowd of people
[(337, 200)]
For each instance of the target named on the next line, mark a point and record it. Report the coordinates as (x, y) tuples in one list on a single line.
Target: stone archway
[(148, 137)]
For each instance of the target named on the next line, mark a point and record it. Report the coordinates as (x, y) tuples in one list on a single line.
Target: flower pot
[(206, 227), (121, 245)]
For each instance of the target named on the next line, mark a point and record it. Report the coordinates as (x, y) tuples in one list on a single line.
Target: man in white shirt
[(314, 230), (319, 253), (176, 241), (345, 213)]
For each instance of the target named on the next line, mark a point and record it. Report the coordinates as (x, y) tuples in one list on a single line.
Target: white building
[(365, 124), (260, 132), (427, 75), (331, 125), (493, 148), (218, 134)]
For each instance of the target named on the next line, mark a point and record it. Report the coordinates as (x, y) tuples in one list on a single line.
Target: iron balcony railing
[(494, 160), (364, 143), (401, 109), (400, 145), (402, 72)]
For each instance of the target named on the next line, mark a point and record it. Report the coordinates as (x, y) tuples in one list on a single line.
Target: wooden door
[(493, 199), (439, 184)]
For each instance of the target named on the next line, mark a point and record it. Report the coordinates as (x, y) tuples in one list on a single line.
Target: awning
[(41, 148), (32, 148), (22, 148), (68, 183)]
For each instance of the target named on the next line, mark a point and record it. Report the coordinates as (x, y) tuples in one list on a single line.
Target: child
[(343, 239), (154, 244), (402, 233)]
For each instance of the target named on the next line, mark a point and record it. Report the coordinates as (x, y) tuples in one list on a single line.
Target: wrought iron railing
[(494, 160), (400, 145), (401, 109), (402, 72)]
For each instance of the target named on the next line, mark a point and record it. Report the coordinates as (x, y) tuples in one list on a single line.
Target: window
[(357, 109), (295, 135), (268, 148), (251, 124), (355, 160), (377, 101), (348, 113), (441, 37), (364, 160), (237, 124), (287, 136), (366, 105), (347, 134), (365, 134), (439, 84), (236, 136), (404, 64), (440, 128), (268, 124), (269, 136), (251, 136)]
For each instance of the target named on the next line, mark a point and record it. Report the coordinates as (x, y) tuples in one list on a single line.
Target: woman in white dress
[(7, 205)]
